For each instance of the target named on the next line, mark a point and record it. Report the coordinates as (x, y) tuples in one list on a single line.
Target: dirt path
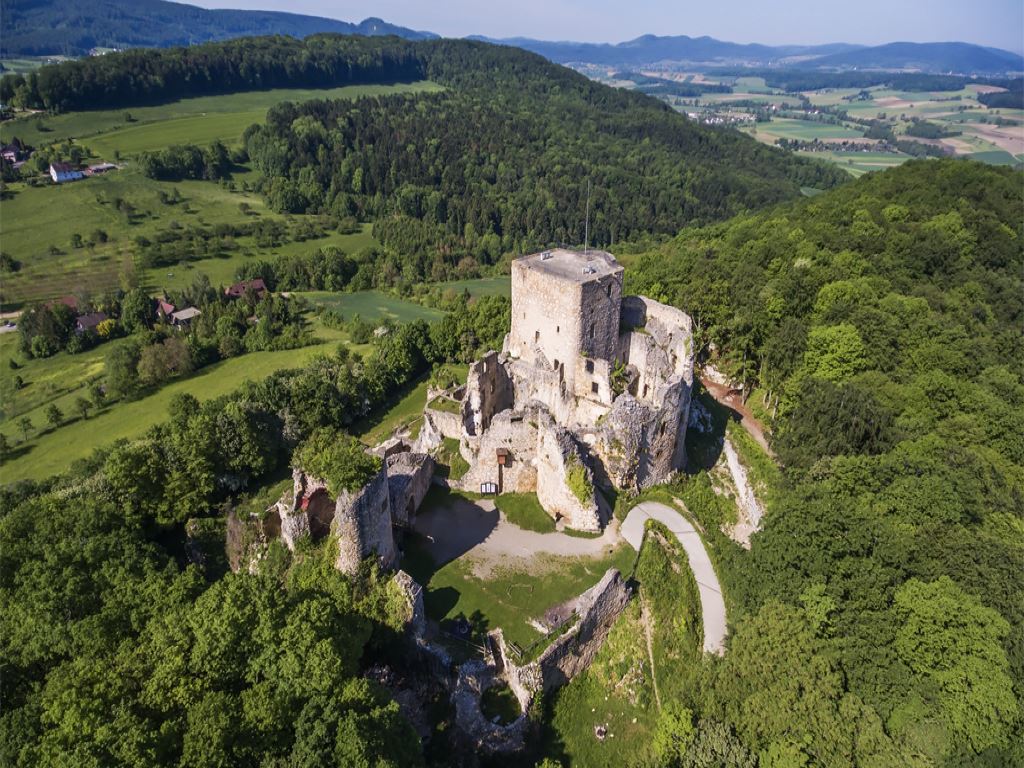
[(645, 617), (462, 525), (712, 606), (730, 398)]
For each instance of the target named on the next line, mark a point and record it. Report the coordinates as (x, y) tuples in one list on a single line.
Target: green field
[(53, 451), (510, 596), (807, 130), (198, 120), (29, 230), (859, 163), (221, 271), (371, 305)]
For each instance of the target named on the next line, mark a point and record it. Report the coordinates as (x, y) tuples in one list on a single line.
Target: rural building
[(95, 170), (61, 172), (89, 321), (183, 318), (238, 290), (164, 309)]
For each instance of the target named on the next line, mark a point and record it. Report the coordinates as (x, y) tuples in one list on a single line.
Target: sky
[(998, 23)]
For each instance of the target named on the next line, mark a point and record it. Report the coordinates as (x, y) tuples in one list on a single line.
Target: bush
[(338, 459)]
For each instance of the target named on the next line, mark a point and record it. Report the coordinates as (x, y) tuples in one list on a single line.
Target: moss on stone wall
[(578, 480)]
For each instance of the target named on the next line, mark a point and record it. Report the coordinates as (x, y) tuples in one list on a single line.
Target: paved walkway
[(712, 606)]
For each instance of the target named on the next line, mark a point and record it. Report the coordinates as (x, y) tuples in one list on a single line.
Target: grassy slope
[(205, 118), (53, 451), (618, 691), (371, 305)]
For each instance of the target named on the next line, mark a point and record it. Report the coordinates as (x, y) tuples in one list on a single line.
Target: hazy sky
[(988, 22)]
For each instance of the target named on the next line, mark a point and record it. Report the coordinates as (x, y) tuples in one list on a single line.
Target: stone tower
[(565, 320)]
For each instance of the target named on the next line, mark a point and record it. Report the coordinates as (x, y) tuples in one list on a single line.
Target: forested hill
[(72, 28), (501, 160), (883, 320)]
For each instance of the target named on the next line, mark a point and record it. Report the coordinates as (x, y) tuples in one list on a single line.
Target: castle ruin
[(589, 388)]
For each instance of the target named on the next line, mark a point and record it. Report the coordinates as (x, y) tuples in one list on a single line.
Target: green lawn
[(511, 596), (202, 119), (524, 510), (53, 451), (371, 305)]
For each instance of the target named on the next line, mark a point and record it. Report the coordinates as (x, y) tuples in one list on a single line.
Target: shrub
[(579, 481), (338, 459)]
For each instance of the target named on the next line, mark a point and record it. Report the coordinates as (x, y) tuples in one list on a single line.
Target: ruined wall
[(409, 476), (642, 438), (362, 525), (556, 453), (488, 391), (599, 314), (515, 432), (574, 651)]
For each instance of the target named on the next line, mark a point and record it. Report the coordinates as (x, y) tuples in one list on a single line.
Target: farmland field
[(807, 130), (859, 163), (371, 305)]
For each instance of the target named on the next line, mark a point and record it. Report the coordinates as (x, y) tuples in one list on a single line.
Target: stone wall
[(488, 391), (409, 476), (362, 525), (514, 432), (556, 453), (573, 651)]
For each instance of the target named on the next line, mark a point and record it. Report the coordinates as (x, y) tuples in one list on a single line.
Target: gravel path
[(712, 606), (461, 525)]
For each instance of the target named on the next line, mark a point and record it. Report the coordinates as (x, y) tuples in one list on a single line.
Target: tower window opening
[(590, 366), (536, 335), (593, 387)]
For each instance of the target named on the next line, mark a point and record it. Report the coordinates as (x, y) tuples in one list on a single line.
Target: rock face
[(362, 520), (585, 376)]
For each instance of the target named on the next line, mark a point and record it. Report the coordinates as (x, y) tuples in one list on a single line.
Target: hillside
[(652, 48), (959, 58), (41, 27), (881, 323), (498, 162)]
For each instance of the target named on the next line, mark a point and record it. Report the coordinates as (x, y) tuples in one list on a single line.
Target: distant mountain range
[(961, 58), (651, 48), (74, 27)]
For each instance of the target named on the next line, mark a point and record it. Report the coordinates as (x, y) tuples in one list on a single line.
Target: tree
[(954, 646), (83, 405), (5, 445), (24, 424), (136, 311), (97, 396), (54, 417)]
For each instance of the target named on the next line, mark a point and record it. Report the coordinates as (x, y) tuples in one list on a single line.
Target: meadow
[(371, 305), (510, 595), (49, 451), (198, 120)]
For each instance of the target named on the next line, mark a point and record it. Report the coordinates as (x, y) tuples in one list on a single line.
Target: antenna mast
[(586, 226)]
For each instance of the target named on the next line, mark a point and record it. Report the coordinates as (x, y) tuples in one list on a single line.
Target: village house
[(238, 290), (88, 322), (61, 172), (183, 318), (164, 309)]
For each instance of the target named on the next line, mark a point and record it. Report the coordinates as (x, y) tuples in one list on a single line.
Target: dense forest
[(882, 322), (501, 161)]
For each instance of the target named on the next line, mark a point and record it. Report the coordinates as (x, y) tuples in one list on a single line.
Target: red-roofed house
[(238, 290), (164, 309)]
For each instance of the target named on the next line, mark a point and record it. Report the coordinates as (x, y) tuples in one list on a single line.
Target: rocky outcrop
[(565, 484)]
